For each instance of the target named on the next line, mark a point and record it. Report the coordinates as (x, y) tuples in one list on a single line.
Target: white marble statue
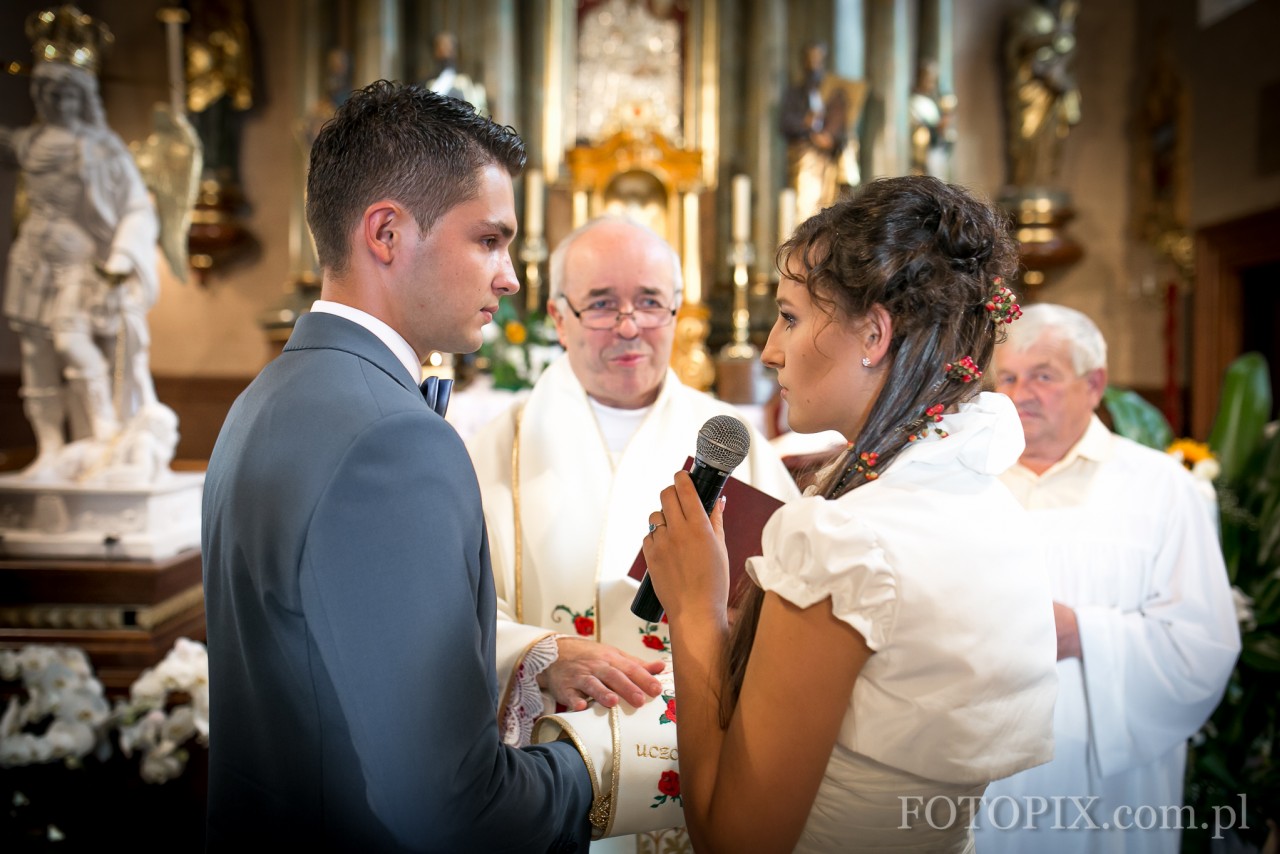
[(81, 278)]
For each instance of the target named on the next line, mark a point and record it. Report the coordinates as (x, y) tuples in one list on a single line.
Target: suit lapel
[(323, 331)]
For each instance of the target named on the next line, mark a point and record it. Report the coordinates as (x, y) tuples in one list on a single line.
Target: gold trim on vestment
[(515, 516), (600, 805), (615, 730)]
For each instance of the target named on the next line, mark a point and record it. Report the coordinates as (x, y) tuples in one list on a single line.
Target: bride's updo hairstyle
[(935, 258)]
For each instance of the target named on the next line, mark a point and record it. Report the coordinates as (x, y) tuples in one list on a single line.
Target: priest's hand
[(585, 670), (1068, 631)]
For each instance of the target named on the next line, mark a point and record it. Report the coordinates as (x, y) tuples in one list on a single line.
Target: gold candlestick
[(533, 252), (738, 368), (741, 255)]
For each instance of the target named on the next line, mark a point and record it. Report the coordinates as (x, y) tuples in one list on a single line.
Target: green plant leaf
[(1214, 765), (1135, 418), (1242, 414), (1266, 599), (1269, 532), (1261, 652)]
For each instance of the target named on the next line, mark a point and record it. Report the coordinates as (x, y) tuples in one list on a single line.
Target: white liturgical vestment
[(583, 513), (1132, 549)]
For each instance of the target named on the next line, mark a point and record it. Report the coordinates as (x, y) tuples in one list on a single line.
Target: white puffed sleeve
[(815, 549)]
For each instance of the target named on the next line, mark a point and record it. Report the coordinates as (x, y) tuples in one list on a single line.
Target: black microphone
[(723, 443)]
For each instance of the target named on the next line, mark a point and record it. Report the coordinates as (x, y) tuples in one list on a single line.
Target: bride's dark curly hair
[(931, 255)]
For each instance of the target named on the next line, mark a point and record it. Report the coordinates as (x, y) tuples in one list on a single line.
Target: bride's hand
[(685, 553)]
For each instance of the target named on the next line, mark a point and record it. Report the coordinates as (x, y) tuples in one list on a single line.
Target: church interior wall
[(1233, 68), (209, 332)]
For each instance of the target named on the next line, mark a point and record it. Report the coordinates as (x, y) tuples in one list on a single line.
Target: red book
[(745, 514)]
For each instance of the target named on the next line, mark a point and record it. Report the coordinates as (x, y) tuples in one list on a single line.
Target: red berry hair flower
[(1001, 304), (963, 370), (918, 428)]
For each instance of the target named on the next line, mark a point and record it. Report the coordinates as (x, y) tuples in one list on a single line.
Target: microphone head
[(723, 442)]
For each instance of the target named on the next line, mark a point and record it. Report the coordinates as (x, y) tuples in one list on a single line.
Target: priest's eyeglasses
[(606, 313)]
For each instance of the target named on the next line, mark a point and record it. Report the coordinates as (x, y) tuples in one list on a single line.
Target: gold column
[(558, 74), (889, 72), (377, 46)]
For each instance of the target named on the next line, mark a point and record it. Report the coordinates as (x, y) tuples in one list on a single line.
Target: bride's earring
[(866, 361)]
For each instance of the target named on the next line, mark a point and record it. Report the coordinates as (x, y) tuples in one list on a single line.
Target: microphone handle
[(709, 482)]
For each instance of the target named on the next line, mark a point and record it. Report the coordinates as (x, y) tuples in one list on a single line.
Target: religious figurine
[(170, 160), (932, 131), (219, 78), (82, 269), (219, 82), (1041, 97), (1042, 105), (448, 80), (818, 120)]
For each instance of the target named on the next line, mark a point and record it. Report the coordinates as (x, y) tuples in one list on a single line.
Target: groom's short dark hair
[(402, 142)]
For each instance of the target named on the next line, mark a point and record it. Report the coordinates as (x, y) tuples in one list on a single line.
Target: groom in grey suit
[(348, 592)]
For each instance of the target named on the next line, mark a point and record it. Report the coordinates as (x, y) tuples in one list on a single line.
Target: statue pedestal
[(126, 615), (150, 521)]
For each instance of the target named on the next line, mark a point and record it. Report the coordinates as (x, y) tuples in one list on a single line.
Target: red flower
[(671, 716), (669, 784), (584, 625), (654, 642)]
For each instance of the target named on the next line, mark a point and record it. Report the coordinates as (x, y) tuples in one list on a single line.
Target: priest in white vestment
[(1147, 633), (570, 476)]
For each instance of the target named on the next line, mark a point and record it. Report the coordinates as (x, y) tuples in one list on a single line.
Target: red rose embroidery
[(669, 716), (649, 637), (669, 786), (583, 623)]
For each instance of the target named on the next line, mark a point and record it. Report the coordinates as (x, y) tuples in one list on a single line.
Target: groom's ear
[(383, 229)]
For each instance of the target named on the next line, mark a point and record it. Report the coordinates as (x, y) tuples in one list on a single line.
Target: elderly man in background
[(570, 476), (1147, 635)]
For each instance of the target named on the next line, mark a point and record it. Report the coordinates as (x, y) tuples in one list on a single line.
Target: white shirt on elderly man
[(1133, 551)]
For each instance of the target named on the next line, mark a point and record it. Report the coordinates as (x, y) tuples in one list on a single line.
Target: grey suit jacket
[(351, 615)]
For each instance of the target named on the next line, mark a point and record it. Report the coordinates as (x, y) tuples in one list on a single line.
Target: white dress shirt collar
[(394, 341)]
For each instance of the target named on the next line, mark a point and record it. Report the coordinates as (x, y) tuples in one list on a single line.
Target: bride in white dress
[(898, 652)]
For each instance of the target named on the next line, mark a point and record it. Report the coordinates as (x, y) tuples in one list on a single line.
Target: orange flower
[(515, 332), (1190, 452)]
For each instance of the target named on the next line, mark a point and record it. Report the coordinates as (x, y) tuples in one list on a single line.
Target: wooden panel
[(1222, 253), (201, 403), (47, 580)]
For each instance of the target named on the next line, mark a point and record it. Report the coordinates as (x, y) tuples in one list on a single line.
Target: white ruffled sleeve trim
[(524, 703), (814, 549)]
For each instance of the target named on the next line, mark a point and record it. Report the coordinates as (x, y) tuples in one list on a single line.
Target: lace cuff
[(523, 703)]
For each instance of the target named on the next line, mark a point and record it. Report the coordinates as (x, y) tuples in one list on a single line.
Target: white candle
[(533, 192), (741, 208), (786, 214)]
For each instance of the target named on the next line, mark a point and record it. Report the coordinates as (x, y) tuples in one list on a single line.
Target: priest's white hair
[(555, 288)]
